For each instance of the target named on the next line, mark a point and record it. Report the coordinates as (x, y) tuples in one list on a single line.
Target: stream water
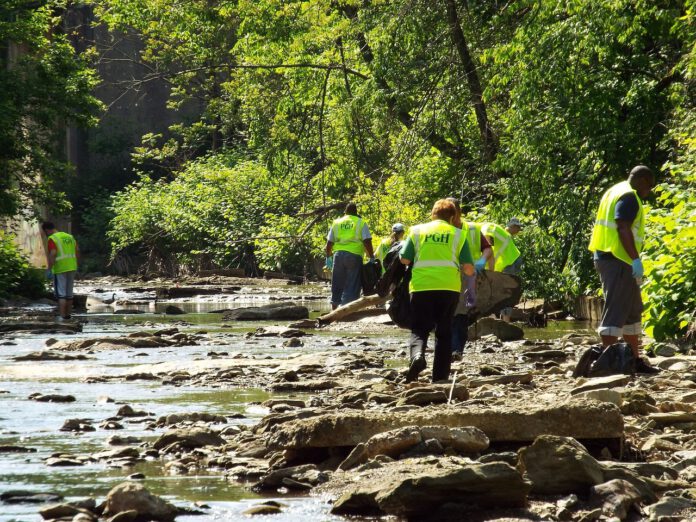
[(36, 425)]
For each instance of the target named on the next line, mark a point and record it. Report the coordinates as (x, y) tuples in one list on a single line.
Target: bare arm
[(488, 254), (626, 236), (368, 247), (405, 261), (329, 248), (51, 258)]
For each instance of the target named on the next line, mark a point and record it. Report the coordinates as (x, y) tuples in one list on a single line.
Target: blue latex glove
[(371, 261), (329, 263), (480, 265), (49, 274), (637, 266)]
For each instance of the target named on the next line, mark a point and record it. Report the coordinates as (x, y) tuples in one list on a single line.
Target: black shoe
[(643, 366), (417, 366), (457, 356)]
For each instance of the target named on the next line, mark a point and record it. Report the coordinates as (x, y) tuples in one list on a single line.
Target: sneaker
[(417, 366), (457, 356), (643, 366)]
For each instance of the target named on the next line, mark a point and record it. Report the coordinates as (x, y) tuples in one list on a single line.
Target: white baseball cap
[(398, 227), (514, 222)]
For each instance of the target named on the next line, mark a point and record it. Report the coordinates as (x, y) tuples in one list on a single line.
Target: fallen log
[(343, 312)]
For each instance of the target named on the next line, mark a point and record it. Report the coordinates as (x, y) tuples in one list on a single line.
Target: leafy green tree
[(44, 86)]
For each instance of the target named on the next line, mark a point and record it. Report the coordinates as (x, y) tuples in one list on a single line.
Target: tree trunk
[(488, 137)]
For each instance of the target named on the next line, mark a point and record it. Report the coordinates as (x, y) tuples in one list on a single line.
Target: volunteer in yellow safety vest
[(437, 252), (617, 241), (388, 242), (506, 254), (61, 259), (349, 237)]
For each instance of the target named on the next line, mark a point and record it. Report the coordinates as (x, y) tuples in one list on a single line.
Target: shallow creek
[(36, 425)]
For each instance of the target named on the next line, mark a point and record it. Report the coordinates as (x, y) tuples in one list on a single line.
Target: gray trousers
[(623, 305), (345, 279)]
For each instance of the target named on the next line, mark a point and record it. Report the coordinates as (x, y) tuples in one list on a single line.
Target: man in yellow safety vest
[(61, 258), (437, 253), (617, 241), (349, 237)]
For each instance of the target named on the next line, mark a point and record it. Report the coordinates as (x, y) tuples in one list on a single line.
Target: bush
[(17, 277)]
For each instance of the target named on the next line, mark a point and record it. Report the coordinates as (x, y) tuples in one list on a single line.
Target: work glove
[(480, 265), (371, 261), (637, 267), (329, 263), (49, 274)]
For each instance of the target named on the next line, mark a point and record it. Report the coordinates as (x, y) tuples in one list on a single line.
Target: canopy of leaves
[(44, 86)]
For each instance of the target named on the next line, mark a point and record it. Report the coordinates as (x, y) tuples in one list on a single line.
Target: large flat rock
[(275, 311), (579, 419), (415, 488)]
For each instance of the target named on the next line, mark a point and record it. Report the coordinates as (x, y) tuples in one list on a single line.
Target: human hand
[(637, 267), (329, 263), (480, 265), (468, 269), (49, 274)]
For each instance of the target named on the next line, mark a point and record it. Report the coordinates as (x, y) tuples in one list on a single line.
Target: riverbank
[(298, 414)]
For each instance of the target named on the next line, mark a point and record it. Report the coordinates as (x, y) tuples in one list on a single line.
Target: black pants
[(460, 332), (433, 309)]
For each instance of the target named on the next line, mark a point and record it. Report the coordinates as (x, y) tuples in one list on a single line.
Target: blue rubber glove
[(49, 274), (329, 263), (371, 261), (637, 267), (480, 265)]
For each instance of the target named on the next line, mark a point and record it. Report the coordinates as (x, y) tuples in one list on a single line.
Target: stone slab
[(578, 419)]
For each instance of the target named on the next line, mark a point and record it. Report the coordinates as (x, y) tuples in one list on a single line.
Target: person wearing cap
[(437, 253), (506, 254), (617, 242), (397, 234), (349, 237)]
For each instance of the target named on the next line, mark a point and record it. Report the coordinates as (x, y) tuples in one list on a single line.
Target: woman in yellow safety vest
[(388, 242), (437, 253)]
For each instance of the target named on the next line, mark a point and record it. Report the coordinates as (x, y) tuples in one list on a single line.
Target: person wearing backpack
[(397, 234), (437, 253), (617, 241)]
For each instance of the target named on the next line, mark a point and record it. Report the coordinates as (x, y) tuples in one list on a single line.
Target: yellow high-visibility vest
[(436, 262), (505, 251), (347, 232), (605, 235), (66, 253), (474, 239)]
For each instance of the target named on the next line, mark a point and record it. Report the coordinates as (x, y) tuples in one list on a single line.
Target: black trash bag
[(588, 357), (369, 275), (393, 271), (399, 308), (615, 359)]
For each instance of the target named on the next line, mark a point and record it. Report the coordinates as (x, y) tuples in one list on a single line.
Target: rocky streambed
[(207, 417)]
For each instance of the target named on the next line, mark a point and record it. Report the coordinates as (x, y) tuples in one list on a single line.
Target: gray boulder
[(274, 311), (615, 498), (189, 438), (131, 496), (413, 488), (559, 465), (490, 326)]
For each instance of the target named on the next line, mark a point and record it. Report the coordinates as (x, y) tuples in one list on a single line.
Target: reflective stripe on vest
[(505, 251), (66, 253), (474, 236), (436, 262), (605, 235), (347, 233)]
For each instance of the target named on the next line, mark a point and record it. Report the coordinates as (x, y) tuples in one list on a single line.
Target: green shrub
[(17, 277)]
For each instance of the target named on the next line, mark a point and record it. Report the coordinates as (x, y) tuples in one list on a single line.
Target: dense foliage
[(44, 86), (17, 277), (527, 108)]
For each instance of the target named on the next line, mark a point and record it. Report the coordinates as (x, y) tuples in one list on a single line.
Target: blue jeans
[(345, 280)]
